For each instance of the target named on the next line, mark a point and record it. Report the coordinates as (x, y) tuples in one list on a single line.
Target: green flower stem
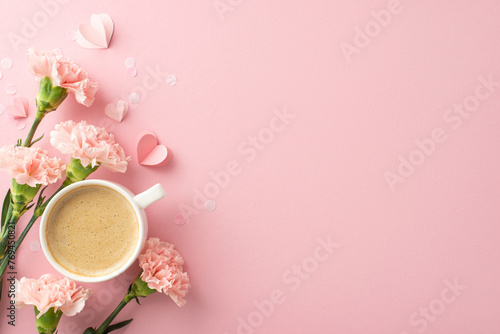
[(47, 323), (38, 119), (138, 288), (128, 297)]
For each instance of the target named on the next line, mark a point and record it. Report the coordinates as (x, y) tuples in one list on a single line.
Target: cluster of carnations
[(32, 170)]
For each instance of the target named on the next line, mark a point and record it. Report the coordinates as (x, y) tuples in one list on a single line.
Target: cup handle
[(148, 197)]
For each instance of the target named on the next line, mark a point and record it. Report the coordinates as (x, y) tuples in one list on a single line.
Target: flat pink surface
[(387, 145)]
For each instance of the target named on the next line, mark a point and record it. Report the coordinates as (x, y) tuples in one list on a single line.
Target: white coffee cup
[(138, 203)]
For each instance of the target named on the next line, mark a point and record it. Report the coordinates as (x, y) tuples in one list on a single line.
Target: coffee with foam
[(92, 231)]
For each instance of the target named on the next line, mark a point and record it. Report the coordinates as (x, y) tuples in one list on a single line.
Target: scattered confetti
[(129, 62), (210, 205), (21, 124), (6, 63), (35, 246), (171, 80), (2, 109), (11, 89), (71, 35), (134, 98), (180, 220), (132, 71)]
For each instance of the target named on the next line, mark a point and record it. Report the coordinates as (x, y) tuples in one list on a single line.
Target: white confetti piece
[(6, 63), (132, 72), (171, 80), (134, 98), (35, 246), (210, 205), (11, 89), (129, 62)]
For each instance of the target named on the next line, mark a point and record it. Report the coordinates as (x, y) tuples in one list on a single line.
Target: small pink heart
[(19, 109), (150, 153), (116, 112), (98, 34)]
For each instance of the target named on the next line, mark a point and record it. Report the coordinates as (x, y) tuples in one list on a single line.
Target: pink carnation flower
[(90, 144), (49, 291), (162, 270), (30, 165), (64, 73)]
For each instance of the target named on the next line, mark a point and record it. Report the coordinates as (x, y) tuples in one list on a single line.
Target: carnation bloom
[(51, 292), (162, 270), (89, 144), (30, 165), (63, 73)]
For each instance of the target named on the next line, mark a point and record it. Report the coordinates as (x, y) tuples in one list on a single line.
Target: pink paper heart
[(19, 109), (116, 112), (150, 153), (98, 34)]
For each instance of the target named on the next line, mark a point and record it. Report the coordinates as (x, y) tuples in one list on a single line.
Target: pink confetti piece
[(11, 89), (132, 72), (171, 80), (210, 205), (71, 35), (180, 220), (35, 246), (134, 98), (129, 62), (21, 124), (6, 63)]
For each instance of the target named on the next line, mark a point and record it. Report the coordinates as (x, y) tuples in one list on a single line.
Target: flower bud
[(47, 322), (76, 172), (49, 98), (22, 195), (140, 288)]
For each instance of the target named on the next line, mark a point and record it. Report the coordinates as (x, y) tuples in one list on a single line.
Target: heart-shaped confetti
[(150, 153), (116, 111), (19, 109), (97, 34)]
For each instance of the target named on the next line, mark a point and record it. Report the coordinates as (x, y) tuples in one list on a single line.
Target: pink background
[(322, 175)]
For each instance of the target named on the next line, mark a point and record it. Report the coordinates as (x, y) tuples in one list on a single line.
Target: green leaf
[(5, 207), (117, 326), (89, 330), (37, 140)]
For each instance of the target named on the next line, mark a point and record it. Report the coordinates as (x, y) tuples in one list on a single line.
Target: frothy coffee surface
[(92, 231)]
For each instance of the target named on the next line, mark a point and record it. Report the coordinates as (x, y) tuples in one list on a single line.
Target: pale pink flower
[(50, 291), (162, 270), (30, 165), (90, 144), (64, 73)]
